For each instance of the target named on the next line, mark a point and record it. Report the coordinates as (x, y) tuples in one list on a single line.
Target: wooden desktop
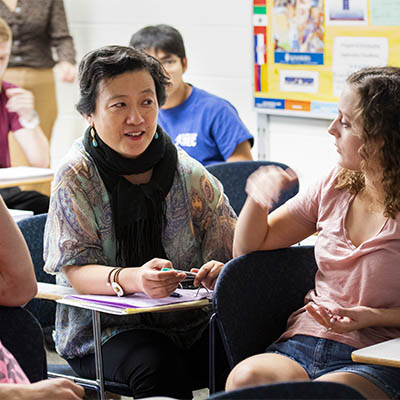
[(27, 178)]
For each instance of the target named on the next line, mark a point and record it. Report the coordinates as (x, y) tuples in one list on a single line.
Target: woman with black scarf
[(127, 203)]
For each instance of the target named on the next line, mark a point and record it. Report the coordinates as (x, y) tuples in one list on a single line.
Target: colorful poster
[(346, 12), (298, 81), (260, 22), (298, 32), (305, 49)]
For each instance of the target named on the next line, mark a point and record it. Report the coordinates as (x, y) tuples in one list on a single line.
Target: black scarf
[(138, 210)]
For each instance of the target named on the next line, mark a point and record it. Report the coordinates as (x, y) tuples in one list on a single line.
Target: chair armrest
[(256, 293)]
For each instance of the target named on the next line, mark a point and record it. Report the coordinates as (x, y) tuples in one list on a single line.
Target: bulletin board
[(305, 49)]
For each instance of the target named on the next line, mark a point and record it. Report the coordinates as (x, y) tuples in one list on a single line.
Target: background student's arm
[(62, 41), (17, 277), (66, 71), (32, 140), (34, 145), (255, 228), (231, 136), (242, 152)]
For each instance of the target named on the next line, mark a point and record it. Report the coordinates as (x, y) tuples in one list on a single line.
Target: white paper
[(385, 12), (18, 215), (353, 53), (140, 300)]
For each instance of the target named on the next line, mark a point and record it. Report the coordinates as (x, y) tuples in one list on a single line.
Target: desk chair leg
[(211, 359), (98, 354), (85, 383), (98, 384)]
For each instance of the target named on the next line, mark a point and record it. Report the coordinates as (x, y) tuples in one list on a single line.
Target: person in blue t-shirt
[(206, 126)]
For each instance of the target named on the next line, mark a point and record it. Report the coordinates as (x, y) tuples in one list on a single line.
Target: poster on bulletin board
[(305, 49)]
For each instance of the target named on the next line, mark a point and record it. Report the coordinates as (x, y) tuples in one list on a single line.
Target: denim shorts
[(322, 356)]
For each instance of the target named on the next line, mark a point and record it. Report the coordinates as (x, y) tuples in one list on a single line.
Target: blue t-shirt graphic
[(206, 126)]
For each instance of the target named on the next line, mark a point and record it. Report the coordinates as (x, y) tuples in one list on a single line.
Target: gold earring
[(93, 133)]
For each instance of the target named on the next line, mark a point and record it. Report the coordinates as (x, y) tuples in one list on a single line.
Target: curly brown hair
[(378, 113)]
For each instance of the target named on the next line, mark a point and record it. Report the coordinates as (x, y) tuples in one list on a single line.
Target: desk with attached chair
[(43, 307), (253, 298), (27, 178), (385, 353)]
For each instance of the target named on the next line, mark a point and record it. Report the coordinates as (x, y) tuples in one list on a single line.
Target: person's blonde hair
[(5, 31), (378, 112)]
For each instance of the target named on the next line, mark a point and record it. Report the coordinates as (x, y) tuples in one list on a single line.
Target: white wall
[(218, 39)]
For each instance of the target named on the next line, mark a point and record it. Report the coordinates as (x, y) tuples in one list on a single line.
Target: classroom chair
[(253, 298), (21, 334), (44, 310), (292, 391), (233, 176), (33, 229)]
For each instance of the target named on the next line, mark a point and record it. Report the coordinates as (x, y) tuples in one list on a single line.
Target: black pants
[(30, 200), (152, 365)]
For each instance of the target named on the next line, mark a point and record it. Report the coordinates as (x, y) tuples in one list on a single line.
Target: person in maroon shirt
[(18, 115)]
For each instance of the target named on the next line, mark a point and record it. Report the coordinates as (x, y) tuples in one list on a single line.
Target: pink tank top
[(10, 371), (348, 275)]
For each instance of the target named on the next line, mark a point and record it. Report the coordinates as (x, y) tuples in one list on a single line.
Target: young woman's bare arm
[(255, 228), (17, 278)]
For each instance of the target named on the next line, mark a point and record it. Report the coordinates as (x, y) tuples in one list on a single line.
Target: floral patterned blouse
[(79, 231)]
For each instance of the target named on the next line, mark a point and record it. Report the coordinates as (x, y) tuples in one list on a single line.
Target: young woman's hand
[(341, 320), (266, 184), (157, 283), (207, 275)]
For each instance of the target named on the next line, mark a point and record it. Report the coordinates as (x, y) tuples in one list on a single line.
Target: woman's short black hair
[(110, 61), (159, 37)]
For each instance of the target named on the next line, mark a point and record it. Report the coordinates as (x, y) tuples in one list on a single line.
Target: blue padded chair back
[(21, 334), (233, 176), (256, 293), (293, 391), (33, 229)]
